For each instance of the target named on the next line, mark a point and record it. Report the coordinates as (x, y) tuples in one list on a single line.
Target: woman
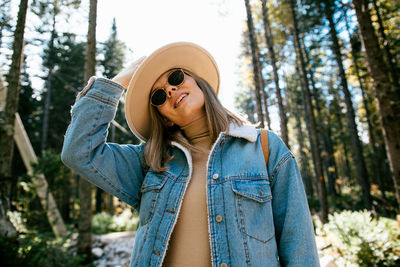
[(199, 181)]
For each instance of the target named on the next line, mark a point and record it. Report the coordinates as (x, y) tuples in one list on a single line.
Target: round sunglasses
[(159, 96)]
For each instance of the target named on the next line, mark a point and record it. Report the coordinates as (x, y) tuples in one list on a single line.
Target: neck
[(197, 131)]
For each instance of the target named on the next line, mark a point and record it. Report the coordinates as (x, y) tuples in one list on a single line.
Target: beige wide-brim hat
[(185, 55)]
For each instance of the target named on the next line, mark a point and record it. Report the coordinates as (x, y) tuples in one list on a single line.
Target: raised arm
[(117, 169)]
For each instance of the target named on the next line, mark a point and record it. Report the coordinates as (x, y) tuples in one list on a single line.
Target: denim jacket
[(265, 215)]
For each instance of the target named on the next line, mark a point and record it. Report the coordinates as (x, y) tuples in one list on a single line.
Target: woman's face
[(185, 102)]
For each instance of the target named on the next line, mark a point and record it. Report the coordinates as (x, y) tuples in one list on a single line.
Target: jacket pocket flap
[(153, 181), (258, 190)]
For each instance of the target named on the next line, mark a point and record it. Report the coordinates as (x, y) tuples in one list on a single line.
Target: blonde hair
[(161, 136)]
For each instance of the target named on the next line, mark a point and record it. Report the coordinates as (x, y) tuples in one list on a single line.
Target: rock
[(116, 248), (7, 228), (327, 261), (97, 252)]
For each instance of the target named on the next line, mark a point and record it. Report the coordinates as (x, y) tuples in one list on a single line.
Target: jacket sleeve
[(293, 225), (117, 169)]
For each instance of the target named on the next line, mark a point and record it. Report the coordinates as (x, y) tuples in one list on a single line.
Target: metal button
[(215, 176), (219, 218), (223, 265)]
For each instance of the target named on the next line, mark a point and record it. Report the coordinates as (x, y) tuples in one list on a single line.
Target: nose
[(169, 89)]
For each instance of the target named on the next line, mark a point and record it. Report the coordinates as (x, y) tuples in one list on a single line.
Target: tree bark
[(85, 188), (389, 109), (305, 172), (313, 134), (394, 73), (7, 116), (337, 113), (256, 63), (270, 43), (99, 200), (374, 151), (46, 110), (359, 161), (327, 157)]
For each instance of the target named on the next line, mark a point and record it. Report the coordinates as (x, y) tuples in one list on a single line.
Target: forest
[(322, 74)]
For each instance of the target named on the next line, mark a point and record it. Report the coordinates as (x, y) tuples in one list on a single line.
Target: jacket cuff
[(102, 89)]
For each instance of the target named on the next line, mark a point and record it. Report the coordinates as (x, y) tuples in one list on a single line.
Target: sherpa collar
[(245, 131)]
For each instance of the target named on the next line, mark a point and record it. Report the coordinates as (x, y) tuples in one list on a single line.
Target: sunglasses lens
[(158, 97), (176, 77)]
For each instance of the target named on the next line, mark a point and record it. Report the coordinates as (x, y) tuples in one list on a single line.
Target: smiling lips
[(179, 99)]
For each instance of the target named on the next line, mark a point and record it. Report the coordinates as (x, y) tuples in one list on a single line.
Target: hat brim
[(185, 55)]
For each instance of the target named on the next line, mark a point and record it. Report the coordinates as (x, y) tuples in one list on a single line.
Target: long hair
[(161, 136)]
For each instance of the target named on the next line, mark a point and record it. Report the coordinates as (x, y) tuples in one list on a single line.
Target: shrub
[(363, 240), (36, 250), (104, 223)]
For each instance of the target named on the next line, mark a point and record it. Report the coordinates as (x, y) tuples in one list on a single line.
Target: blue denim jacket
[(265, 215)]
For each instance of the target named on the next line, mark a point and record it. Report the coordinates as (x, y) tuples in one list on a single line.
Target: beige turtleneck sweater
[(189, 244)]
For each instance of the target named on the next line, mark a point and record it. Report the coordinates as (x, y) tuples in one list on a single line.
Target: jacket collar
[(247, 132)]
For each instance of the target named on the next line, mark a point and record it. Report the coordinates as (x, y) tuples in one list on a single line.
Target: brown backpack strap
[(264, 145)]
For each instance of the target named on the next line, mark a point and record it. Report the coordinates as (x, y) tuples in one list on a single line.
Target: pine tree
[(389, 108), (270, 43), (7, 117), (85, 188), (256, 65), (359, 161), (311, 126)]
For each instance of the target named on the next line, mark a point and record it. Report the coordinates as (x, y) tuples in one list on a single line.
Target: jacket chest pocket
[(254, 208), (150, 191)]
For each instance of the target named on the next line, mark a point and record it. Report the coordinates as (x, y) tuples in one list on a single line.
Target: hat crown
[(184, 55)]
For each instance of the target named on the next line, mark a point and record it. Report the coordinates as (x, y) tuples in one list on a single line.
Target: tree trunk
[(389, 110), (67, 195), (85, 188), (358, 158), (374, 154), (392, 64), (265, 97), (326, 156), (313, 134), (99, 200), (256, 63), (46, 109), (336, 112), (305, 172), (111, 202), (6, 227), (270, 43), (332, 169), (7, 117)]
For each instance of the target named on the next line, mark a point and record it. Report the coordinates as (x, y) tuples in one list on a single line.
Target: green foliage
[(36, 250), (245, 104), (361, 239), (104, 223), (66, 81), (113, 52), (28, 203)]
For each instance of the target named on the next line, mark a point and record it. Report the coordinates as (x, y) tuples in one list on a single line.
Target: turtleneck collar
[(197, 131)]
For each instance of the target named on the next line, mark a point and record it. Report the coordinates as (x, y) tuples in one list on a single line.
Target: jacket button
[(215, 176), (223, 265), (219, 218)]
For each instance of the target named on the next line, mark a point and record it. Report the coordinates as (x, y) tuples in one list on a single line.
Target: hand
[(124, 77)]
